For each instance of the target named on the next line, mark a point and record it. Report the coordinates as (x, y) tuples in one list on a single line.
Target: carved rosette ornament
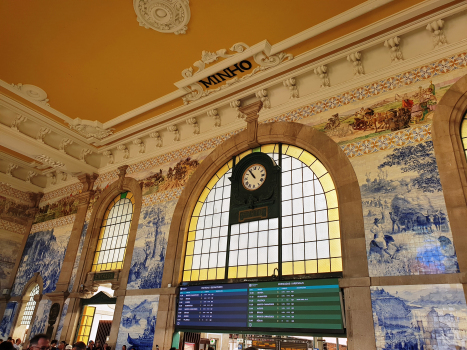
[(165, 16), (33, 92)]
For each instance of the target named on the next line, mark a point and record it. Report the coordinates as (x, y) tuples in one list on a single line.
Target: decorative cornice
[(90, 129), (49, 161), (164, 16)]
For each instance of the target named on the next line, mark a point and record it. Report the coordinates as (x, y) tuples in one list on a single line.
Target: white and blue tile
[(7, 320)]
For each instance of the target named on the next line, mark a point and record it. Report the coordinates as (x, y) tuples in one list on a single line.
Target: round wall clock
[(254, 177)]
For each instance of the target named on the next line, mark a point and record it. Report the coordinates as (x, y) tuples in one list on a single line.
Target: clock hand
[(249, 170)]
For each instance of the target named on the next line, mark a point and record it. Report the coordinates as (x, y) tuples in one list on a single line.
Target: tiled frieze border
[(48, 225), (13, 193), (12, 227), (415, 134), (409, 77), (168, 157), (162, 197), (62, 192)]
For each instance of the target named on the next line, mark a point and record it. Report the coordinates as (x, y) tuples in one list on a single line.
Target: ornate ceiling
[(78, 80)]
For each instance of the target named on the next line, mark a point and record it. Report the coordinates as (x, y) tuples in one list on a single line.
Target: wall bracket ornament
[(126, 151), (109, 155), (393, 45), (33, 92), (90, 129), (18, 120), (437, 32), (174, 130), (156, 135), (194, 123), (164, 16)]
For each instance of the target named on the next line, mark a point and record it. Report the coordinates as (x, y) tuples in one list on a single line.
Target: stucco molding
[(164, 16)]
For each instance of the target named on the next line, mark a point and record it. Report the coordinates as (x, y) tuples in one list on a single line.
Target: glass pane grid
[(254, 248), (308, 221), (207, 237), (30, 306), (464, 134), (111, 245)]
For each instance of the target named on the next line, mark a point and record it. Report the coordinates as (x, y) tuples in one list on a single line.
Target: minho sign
[(227, 73)]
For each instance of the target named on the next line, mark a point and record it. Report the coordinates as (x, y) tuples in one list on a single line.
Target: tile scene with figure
[(420, 317), (138, 322)]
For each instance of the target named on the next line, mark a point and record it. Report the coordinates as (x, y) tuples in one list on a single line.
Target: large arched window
[(464, 134), (303, 240), (113, 236), (30, 306)]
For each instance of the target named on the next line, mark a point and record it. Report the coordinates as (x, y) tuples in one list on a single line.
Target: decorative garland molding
[(164, 16), (90, 129)]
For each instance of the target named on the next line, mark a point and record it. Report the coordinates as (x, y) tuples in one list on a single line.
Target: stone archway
[(355, 267)]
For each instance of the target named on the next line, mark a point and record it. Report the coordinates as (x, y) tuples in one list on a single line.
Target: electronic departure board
[(309, 306)]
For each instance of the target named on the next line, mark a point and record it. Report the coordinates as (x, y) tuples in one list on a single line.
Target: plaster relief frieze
[(174, 130), (109, 155), (41, 134), (209, 57), (18, 120), (10, 168), (264, 62), (193, 122), (84, 152), (31, 174), (164, 16), (236, 106), (49, 161), (140, 144), (322, 72), (90, 129), (437, 32), (126, 151), (263, 97), (63, 144), (356, 60), (157, 136), (395, 51), (213, 113), (291, 85), (32, 92)]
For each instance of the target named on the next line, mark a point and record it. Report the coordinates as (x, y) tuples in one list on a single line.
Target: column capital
[(87, 180), (84, 197)]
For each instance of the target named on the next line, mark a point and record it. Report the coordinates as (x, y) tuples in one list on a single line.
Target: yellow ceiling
[(95, 62)]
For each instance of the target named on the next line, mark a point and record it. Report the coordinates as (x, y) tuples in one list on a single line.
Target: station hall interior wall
[(400, 187)]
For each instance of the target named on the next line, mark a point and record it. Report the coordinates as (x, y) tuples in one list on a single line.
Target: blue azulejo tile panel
[(40, 320), (138, 322), (147, 262), (62, 319), (7, 320), (44, 253), (420, 317), (406, 225), (78, 256)]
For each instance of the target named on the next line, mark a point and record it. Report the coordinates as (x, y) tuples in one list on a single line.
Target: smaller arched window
[(30, 306), (464, 134), (113, 236)]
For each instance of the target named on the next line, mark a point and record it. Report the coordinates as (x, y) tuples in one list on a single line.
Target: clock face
[(254, 177)]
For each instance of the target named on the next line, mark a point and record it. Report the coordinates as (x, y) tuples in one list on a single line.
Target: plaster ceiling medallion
[(209, 57), (33, 92), (90, 129), (165, 16)]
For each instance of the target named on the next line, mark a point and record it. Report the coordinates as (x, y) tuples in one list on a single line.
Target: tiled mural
[(62, 207), (62, 318), (78, 256), (7, 320), (44, 253), (39, 325), (147, 263), (11, 244), (420, 317), (138, 322)]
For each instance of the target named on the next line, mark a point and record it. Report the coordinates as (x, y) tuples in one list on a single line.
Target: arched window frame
[(289, 267)]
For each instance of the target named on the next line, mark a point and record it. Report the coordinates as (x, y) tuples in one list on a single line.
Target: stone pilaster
[(164, 329)]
